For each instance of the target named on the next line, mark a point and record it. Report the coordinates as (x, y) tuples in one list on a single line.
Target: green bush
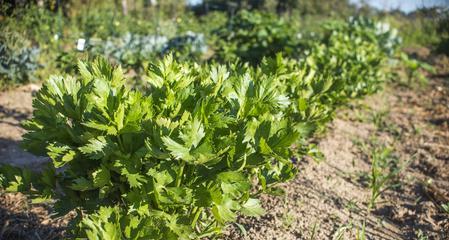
[(250, 36), (187, 47), (360, 29), (129, 50), (181, 158), (18, 59)]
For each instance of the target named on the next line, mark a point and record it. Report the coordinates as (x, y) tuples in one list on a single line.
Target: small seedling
[(287, 220), (384, 170), (339, 234), (445, 208), (314, 230), (379, 119), (414, 68), (361, 234), (421, 235), (351, 205)]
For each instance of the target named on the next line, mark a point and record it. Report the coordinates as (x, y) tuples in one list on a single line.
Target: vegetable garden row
[(194, 147)]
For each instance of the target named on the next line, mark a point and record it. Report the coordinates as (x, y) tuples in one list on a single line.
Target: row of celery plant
[(183, 159)]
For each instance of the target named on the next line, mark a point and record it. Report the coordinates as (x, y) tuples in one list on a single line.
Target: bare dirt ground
[(328, 199), (16, 106)]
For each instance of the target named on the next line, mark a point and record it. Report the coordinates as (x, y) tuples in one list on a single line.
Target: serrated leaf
[(264, 148), (60, 154), (193, 134), (233, 183), (177, 150), (135, 180), (162, 178), (95, 147), (252, 208)]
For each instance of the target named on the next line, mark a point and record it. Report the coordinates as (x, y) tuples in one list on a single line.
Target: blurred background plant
[(18, 59), (131, 33), (250, 36)]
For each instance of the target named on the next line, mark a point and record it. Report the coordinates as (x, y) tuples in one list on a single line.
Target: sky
[(404, 5), (194, 2)]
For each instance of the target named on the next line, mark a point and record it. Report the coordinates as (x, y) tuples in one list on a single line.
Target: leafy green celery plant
[(176, 162)]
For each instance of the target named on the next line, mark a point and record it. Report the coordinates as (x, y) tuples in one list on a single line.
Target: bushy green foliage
[(414, 70), (417, 29), (189, 46), (354, 53), (360, 29), (38, 24), (18, 62), (133, 51), (130, 50), (250, 36), (181, 157)]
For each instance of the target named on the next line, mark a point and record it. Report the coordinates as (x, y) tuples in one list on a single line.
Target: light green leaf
[(60, 154), (252, 208), (95, 147), (177, 150)]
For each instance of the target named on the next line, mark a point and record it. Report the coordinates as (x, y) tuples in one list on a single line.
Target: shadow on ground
[(12, 153), (18, 220)]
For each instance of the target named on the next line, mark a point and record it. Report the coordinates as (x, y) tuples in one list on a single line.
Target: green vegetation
[(140, 32), (251, 36), (384, 171), (414, 70), (18, 61), (180, 157), (445, 207)]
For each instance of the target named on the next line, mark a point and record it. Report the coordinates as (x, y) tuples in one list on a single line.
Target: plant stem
[(120, 143), (180, 173), (197, 212)]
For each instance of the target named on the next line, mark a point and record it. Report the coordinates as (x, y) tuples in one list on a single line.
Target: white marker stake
[(80, 44)]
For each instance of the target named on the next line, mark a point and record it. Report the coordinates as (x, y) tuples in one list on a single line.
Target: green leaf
[(135, 180), (252, 208), (163, 178), (176, 195), (193, 134), (233, 183), (95, 148), (60, 154), (85, 73), (15, 185), (101, 177), (82, 184), (264, 148), (155, 152), (177, 150), (119, 117), (223, 211)]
